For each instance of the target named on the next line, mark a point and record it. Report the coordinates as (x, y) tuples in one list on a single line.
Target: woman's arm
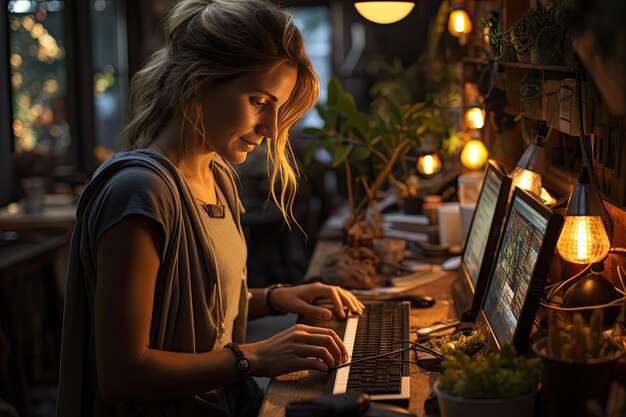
[(300, 299), (129, 370), (258, 305)]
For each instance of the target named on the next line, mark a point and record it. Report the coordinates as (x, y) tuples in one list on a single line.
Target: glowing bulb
[(583, 240), (474, 154), (384, 12), (459, 23), (475, 117), (526, 180), (429, 164)]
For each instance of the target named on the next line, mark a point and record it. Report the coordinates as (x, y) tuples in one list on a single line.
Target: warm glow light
[(547, 197), (474, 154), (384, 12), (475, 117), (526, 180), (459, 23), (429, 164), (583, 240)]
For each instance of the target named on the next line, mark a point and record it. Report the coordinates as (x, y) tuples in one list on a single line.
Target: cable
[(419, 346), (414, 347), (610, 304)]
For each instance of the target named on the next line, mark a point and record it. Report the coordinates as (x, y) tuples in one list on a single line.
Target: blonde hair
[(214, 41)]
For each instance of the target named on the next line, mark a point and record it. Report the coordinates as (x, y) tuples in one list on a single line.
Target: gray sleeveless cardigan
[(189, 296)]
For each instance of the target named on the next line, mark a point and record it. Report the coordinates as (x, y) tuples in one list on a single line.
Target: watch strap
[(242, 364)]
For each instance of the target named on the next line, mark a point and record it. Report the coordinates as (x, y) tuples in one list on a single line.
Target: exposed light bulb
[(429, 164), (583, 240), (526, 180), (475, 117), (384, 12), (474, 154), (459, 23)]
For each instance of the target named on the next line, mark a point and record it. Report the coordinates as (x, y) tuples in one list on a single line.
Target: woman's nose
[(268, 125)]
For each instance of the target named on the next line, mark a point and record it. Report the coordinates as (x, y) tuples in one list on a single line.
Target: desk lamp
[(533, 164), (384, 11), (585, 240)]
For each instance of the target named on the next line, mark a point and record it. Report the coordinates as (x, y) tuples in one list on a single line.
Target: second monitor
[(520, 271), (482, 243)]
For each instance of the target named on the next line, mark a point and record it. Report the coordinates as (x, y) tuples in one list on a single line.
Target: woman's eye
[(259, 102)]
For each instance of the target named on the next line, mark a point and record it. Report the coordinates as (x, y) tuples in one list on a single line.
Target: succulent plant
[(581, 342), (493, 375)]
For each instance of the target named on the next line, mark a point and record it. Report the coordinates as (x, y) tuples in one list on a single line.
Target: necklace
[(215, 211)]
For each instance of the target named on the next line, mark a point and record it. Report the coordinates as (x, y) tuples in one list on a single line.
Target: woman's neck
[(194, 163)]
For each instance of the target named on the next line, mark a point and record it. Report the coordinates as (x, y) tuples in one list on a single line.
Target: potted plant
[(541, 34), (367, 146), (578, 364), (492, 385)]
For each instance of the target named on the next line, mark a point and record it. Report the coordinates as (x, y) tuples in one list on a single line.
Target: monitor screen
[(482, 243), (481, 223), (520, 270)]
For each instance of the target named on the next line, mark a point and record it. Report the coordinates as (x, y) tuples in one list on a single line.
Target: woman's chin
[(236, 158)]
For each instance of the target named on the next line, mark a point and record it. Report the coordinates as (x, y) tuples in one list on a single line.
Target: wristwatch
[(242, 364)]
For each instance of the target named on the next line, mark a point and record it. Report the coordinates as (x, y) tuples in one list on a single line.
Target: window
[(38, 79), (314, 24)]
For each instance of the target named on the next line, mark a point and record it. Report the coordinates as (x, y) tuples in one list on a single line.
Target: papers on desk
[(405, 226), (422, 276)]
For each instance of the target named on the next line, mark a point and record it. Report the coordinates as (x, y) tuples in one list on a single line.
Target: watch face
[(243, 365)]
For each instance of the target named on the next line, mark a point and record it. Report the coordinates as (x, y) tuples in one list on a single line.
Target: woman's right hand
[(297, 348)]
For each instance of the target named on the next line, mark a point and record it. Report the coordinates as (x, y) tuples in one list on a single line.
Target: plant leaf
[(341, 153)]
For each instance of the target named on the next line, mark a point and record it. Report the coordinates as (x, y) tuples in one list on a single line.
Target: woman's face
[(239, 113)]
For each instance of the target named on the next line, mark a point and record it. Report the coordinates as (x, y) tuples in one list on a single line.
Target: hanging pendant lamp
[(384, 11)]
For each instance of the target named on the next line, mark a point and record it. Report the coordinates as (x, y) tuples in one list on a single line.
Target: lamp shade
[(429, 164), (474, 154), (384, 11), (459, 23), (527, 180), (583, 239)]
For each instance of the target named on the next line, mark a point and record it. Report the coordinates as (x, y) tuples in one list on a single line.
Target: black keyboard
[(379, 326)]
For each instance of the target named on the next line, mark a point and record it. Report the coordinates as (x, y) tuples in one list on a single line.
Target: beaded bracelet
[(268, 293)]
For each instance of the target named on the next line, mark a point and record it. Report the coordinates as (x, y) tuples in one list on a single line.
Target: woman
[(156, 299)]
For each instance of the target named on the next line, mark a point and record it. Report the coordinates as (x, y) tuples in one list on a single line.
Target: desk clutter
[(499, 291)]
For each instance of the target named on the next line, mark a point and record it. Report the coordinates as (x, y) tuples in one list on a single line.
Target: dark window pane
[(314, 24), (39, 80), (110, 78)]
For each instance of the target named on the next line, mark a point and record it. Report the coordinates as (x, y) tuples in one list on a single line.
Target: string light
[(429, 164), (459, 23), (475, 116), (474, 154)]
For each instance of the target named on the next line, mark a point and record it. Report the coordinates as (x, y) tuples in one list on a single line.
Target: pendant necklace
[(215, 211)]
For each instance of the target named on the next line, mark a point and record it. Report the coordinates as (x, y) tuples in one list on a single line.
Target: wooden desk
[(311, 384)]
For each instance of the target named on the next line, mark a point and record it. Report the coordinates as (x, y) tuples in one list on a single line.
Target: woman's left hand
[(300, 299)]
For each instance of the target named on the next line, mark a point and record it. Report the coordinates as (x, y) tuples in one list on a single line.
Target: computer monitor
[(481, 244), (520, 271)]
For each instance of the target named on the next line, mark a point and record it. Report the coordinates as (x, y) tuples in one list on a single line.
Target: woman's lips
[(248, 142)]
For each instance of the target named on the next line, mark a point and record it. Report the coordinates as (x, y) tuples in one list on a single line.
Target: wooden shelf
[(519, 65)]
